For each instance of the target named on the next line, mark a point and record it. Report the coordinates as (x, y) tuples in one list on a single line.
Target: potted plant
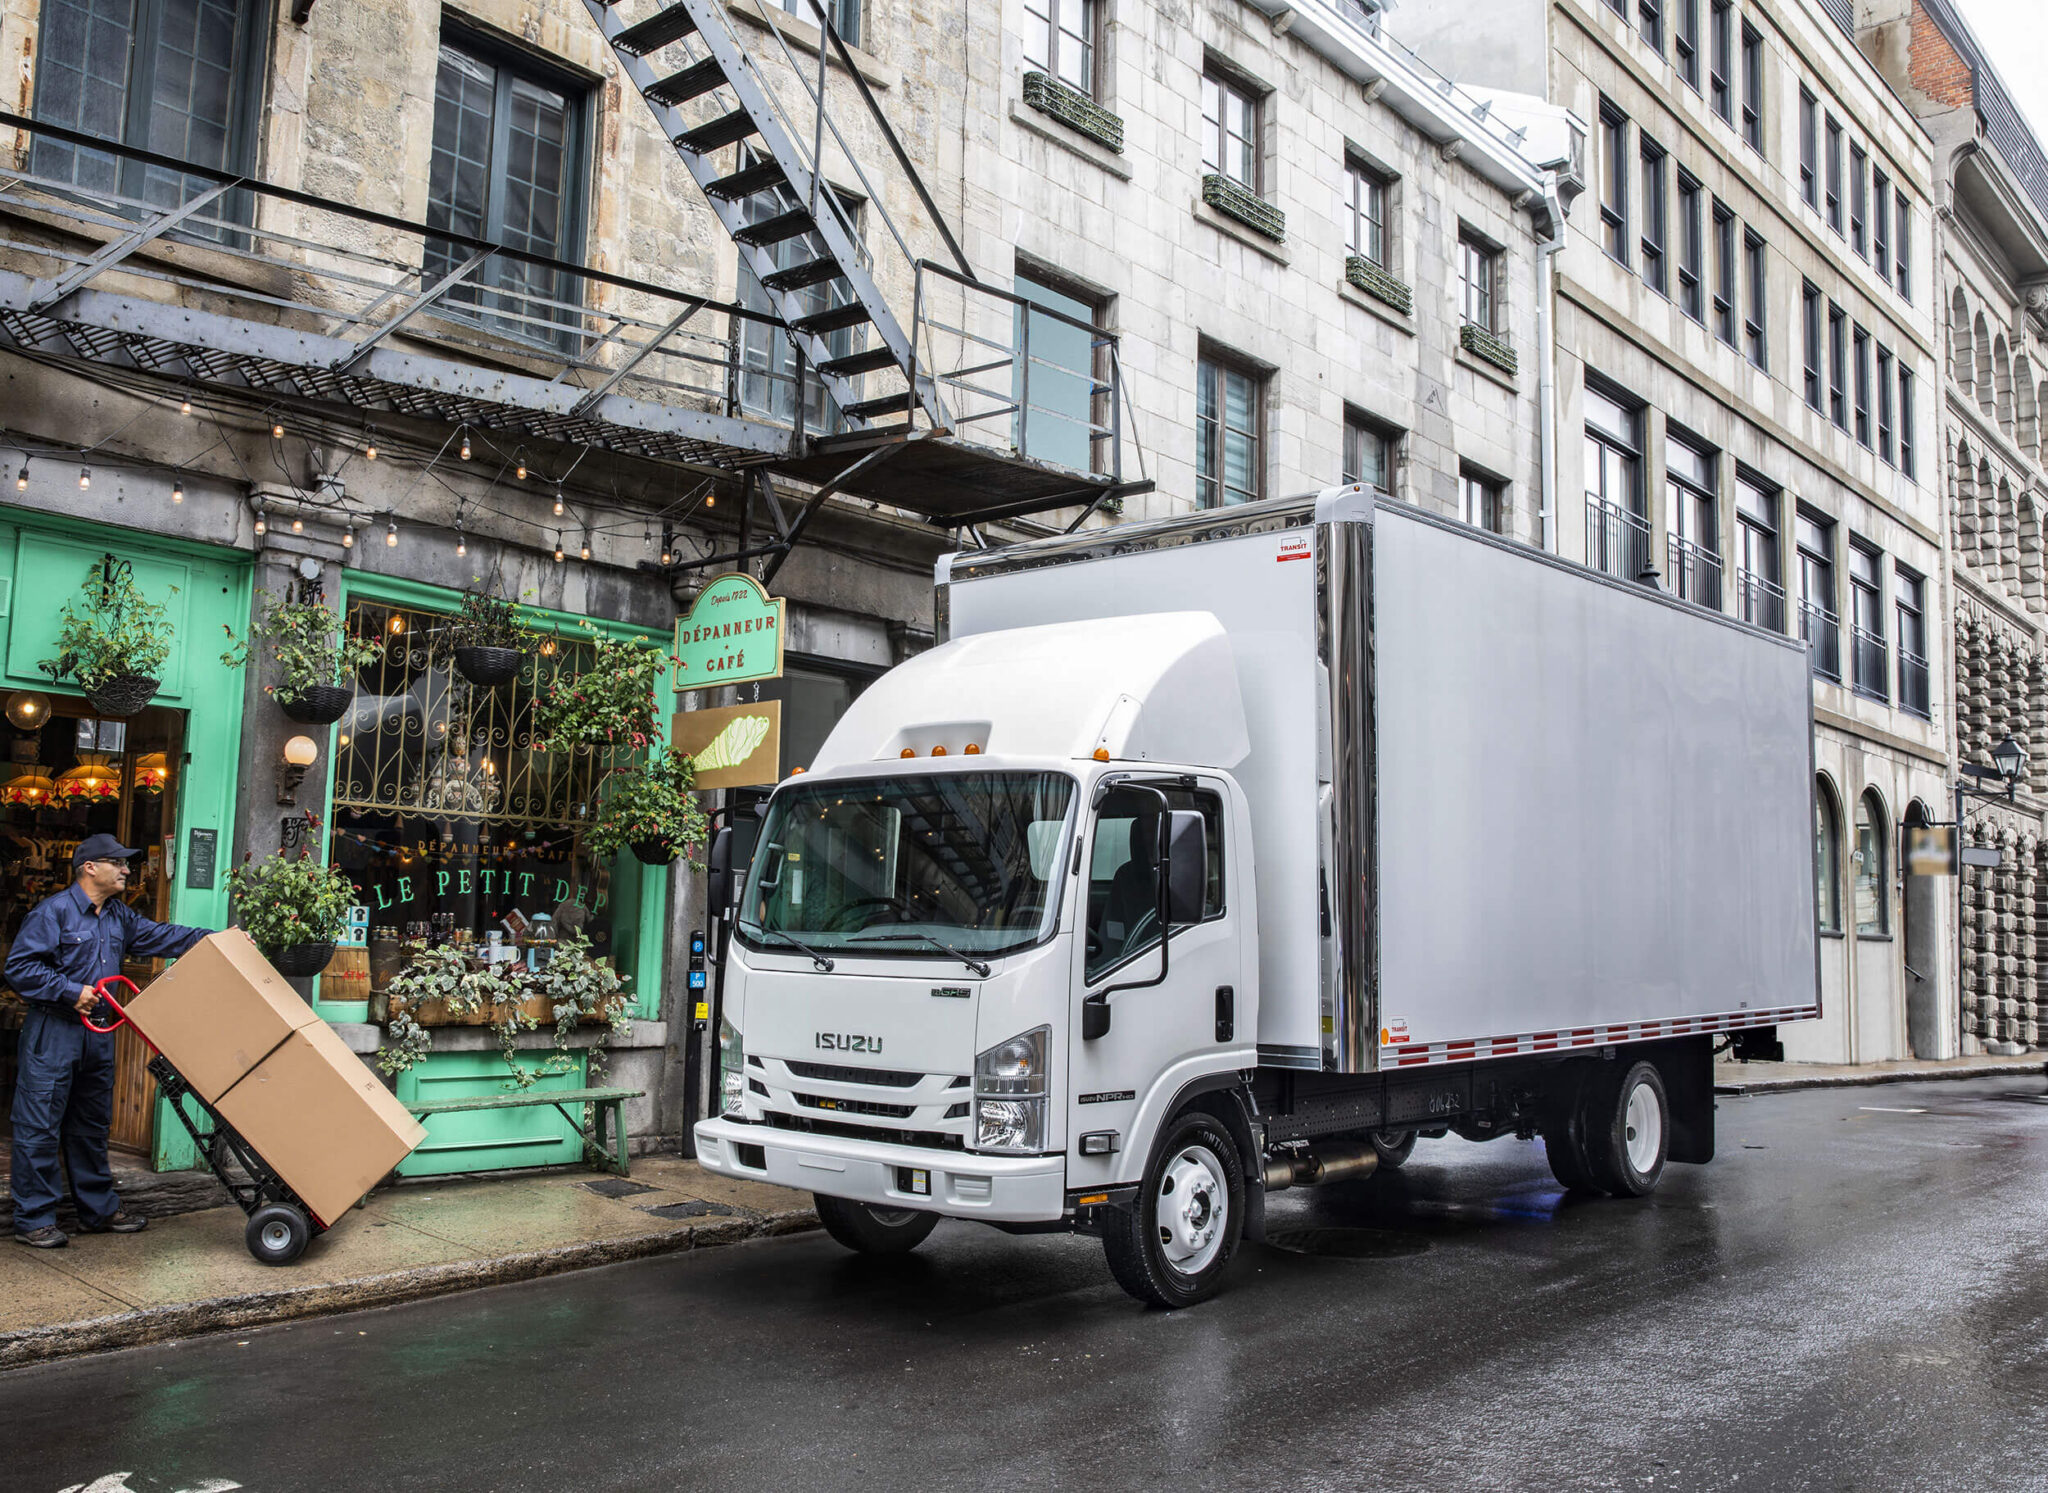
[(113, 640), (490, 639), (294, 907), (317, 658), (650, 810), (609, 705)]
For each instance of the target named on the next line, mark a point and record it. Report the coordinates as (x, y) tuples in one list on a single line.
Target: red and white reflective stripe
[(1466, 1049)]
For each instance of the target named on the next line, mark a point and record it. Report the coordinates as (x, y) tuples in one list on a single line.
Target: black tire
[(1564, 1141), (1627, 1130), (1194, 1158), (278, 1233), (868, 1230), (1394, 1147)]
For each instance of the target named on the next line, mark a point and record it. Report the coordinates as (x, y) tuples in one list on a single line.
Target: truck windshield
[(970, 859)]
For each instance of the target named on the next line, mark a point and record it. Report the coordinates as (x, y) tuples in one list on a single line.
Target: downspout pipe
[(1547, 250)]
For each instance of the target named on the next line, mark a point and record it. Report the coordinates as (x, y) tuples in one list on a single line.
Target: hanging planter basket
[(318, 705), (655, 852), (122, 695), (489, 667), (299, 960)]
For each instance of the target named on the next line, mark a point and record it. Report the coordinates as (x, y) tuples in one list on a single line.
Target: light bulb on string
[(348, 535), (465, 446), (711, 500), (21, 477), (262, 524), (277, 430), (559, 556), (178, 490), (370, 449), (519, 471), (185, 406), (461, 543), (586, 546), (84, 478), (668, 545), (298, 524), (558, 500), (391, 535)]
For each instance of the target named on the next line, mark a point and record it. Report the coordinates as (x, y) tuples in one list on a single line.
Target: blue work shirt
[(64, 945)]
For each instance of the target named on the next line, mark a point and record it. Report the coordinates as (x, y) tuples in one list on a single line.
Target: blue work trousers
[(63, 1103)]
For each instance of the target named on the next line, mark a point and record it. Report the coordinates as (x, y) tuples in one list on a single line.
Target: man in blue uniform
[(64, 1085)]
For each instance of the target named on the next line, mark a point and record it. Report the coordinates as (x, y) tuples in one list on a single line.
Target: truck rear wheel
[(1393, 1147), (1627, 1128), (869, 1230), (1564, 1140), (1173, 1244)]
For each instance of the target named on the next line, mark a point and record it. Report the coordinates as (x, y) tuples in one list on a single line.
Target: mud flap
[(1687, 1067)]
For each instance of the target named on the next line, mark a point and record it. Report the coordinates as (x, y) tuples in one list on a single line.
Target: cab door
[(1161, 1035)]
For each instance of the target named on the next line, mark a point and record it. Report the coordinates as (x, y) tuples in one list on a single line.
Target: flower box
[(1362, 274), (1075, 109), (1488, 348), (1233, 200)]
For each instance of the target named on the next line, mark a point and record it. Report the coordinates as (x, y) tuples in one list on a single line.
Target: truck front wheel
[(1627, 1129), (869, 1230), (1173, 1244)]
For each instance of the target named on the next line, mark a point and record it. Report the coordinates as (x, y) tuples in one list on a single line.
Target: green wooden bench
[(608, 1138)]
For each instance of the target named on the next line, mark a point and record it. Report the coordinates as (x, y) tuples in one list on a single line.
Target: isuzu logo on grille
[(848, 1042)]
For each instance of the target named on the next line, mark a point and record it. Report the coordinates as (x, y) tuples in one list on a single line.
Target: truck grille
[(858, 1106), (883, 1078), (932, 1139)]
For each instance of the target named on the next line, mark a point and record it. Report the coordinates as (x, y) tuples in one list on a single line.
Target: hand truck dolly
[(280, 1225)]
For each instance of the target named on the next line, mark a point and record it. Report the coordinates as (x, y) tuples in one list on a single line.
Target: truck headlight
[(1009, 1093), (732, 1065)]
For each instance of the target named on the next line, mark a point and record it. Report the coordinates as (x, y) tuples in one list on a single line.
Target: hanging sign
[(734, 746), (732, 633), (1930, 850)]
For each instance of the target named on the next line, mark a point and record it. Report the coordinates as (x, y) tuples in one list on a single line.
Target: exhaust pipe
[(1337, 1161)]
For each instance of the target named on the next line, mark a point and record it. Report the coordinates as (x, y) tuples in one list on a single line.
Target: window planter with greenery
[(608, 707), (113, 640), (316, 656), (490, 639), (1073, 108), (1362, 274), (294, 908), (1235, 200), (1488, 348)]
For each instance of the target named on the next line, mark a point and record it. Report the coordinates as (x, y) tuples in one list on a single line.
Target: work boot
[(49, 1236), (120, 1221)]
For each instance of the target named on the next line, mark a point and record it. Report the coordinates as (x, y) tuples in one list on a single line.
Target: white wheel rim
[(1191, 1209), (1643, 1128), (275, 1237), (891, 1218)]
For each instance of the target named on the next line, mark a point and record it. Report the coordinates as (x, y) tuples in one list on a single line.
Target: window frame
[(1867, 618), (1686, 43), (1827, 860), (837, 11), (1859, 372), (1838, 367), (1653, 161), (1692, 510), (1831, 164), (1881, 224), (1813, 326), (1650, 24), (1359, 429), (1759, 531), (1909, 605), (1721, 59), (1486, 492), (1692, 247), (1756, 311), (1879, 879), (1908, 461), (1043, 21), (1216, 363), (1887, 429), (1376, 188), (1752, 87), (1859, 199), (1809, 148), (1614, 194), (1724, 273), (1902, 244), (1225, 86), (1477, 251)]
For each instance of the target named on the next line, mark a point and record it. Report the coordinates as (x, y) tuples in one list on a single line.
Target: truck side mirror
[(718, 886), (1186, 844)]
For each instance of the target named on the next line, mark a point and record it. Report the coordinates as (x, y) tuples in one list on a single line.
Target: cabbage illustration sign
[(732, 633), (733, 746)]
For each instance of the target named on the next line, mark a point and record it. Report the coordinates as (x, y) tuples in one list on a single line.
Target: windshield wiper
[(802, 948), (944, 948)]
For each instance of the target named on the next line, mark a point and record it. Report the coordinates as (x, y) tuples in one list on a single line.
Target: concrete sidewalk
[(1765, 1078), (191, 1273)]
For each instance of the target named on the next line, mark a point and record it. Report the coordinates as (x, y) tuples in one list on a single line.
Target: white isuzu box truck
[(1442, 834)]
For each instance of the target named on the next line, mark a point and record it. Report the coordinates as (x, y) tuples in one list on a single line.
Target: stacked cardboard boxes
[(277, 1073)]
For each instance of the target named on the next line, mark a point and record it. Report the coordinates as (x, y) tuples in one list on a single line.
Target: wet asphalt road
[(1854, 1296)]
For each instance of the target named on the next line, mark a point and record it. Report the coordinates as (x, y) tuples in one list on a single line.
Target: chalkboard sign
[(199, 860)]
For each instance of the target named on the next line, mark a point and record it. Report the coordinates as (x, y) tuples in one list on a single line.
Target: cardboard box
[(322, 1120), (219, 1011)]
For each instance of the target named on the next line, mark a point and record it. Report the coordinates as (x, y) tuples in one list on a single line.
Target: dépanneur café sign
[(732, 633)]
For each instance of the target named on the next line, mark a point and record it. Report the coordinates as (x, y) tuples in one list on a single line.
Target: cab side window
[(1123, 882)]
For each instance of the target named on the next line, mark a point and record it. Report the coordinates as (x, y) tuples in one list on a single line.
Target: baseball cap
[(101, 848)]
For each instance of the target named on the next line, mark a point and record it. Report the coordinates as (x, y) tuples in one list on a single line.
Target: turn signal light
[(973, 750), (908, 752), (938, 751), (796, 772), (1102, 754)]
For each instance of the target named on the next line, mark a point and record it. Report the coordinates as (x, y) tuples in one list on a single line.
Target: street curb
[(2031, 1065), (131, 1329)]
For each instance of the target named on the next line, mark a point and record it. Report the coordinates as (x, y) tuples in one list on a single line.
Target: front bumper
[(997, 1189)]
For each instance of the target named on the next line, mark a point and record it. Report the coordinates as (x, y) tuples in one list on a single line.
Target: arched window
[(1827, 861), (1873, 916)]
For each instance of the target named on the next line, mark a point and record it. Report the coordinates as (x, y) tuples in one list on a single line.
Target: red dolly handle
[(107, 995)]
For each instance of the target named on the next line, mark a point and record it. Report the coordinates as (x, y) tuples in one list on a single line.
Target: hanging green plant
[(609, 705), (489, 639), (294, 907), (317, 657), (112, 639), (651, 810)]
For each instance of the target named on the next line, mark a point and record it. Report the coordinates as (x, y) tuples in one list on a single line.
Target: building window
[(1914, 698), (1059, 39), (1650, 22), (1368, 453), (1886, 448), (1838, 366), (1819, 623), (1366, 214), (1760, 594), (1872, 893), (1906, 419), (1617, 534), (1686, 43), (1871, 672), (1479, 501), (177, 77), (1860, 348), (1753, 87), (1834, 171), (1810, 315), (1655, 274), (1859, 199), (1903, 256), (1755, 324), (1721, 57), (1230, 131), (1724, 273), (507, 166), (1059, 385), (1614, 197), (845, 16), (1691, 249), (1694, 540), (1478, 272), (1827, 864), (1809, 148), (1881, 224), (1227, 418)]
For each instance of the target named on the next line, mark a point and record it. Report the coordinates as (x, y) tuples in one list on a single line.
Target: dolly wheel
[(278, 1233)]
